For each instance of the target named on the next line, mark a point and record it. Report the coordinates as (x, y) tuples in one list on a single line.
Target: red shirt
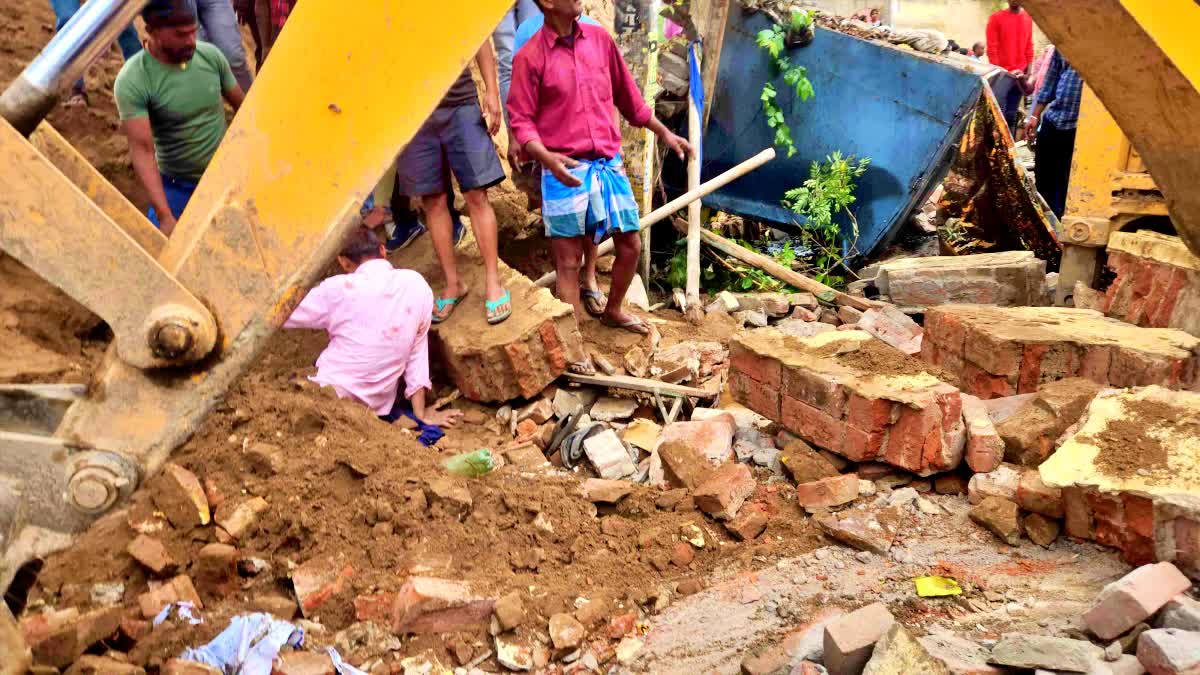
[(1010, 39), (566, 91)]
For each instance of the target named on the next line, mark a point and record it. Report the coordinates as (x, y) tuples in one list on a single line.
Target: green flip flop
[(492, 306), (441, 304)]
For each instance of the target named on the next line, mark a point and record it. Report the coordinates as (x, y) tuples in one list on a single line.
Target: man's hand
[(443, 418), (560, 165), (166, 223), (491, 108), (677, 144), (516, 154), (1031, 125), (377, 216)]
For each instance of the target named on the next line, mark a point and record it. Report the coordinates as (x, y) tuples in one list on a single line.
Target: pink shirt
[(566, 91), (378, 324)]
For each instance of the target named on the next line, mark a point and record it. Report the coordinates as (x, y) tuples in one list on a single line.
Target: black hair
[(160, 13), (361, 245)]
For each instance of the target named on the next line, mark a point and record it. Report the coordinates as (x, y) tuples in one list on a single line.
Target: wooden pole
[(694, 313), (664, 211), (785, 274)]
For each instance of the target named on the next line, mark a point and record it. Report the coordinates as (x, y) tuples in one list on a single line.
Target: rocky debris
[(959, 655), (603, 491), (1134, 598), (1040, 529), (237, 519), (427, 605), (899, 652), (642, 433), (1031, 432), (1001, 351), (90, 664), (1156, 282), (950, 484), (608, 454), (1041, 651), (723, 302), (1003, 482), (985, 447), (514, 653), (177, 589), (1169, 651), (725, 490), (850, 639), (800, 648), (867, 530), (276, 605), (609, 409), (1001, 517), (565, 631), (58, 638), (181, 667), (691, 450), (318, 580), (803, 328), (266, 457), (178, 494), (1181, 612), (1034, 495), (829, 391), (748, 523), (894, 327), (804, 464), (541, 411), (772, 304), (827, 492), (509, 611)]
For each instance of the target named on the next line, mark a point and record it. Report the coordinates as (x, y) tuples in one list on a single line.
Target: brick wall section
[(1157, 282), (1010, 278), (1000, 352), (911, 421)]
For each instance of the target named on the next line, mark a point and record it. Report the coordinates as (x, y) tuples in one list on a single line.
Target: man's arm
[(417, 382), (486, 58), (628, 97), (145, 165), (234, 97), (1045, 95)]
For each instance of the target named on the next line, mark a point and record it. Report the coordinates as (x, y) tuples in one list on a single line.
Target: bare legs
[(483, 224)]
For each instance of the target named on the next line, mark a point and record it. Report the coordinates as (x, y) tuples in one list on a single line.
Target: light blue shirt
[(532, 25)]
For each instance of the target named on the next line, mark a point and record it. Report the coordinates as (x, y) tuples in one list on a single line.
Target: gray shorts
[(454, 140)]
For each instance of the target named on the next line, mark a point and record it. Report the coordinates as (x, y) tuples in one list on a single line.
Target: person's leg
[(221, 26), (628, 246), (1053, 166), (265, 28), (437, 219), (567, 251), (130, 42), (1012, 109), (483, 225)]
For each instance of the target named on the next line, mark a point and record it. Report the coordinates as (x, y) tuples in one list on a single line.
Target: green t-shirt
[(184, 104)]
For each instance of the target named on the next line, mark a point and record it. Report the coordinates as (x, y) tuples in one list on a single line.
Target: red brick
[(1108, 519), (1095, 363), (762, 369), (1138, 543), (1187, 544), (979, 382), (178, 589), (818, 390), (318, 580), (985, 448), (1078, 513), (1169, 651), (813, 425), (755, 395), (723, 493), (621, 625), (1034, 495), (993, 356), (860, 446), (554, 352), (908, 436), (1134, 598), (850, 639), (237, 519), (828, 491), (150, 552), (1160, 315), (947, 331), (180, 496), (1031, 368), (375, 607), (134, 628), (870, 415), (426, 605), (750, 522), (1136, 369)]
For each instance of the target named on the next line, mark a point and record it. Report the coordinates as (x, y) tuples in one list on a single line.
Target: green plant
[(771, 40), (720, 274), (828, 191)]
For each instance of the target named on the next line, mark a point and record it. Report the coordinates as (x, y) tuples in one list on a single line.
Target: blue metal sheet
[(903, 110)]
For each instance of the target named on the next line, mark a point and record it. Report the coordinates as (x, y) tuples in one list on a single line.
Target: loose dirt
[(1127, 445), (877, 358)]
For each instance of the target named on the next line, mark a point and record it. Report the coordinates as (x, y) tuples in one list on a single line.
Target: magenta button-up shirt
[(566, 91), (378, 324)]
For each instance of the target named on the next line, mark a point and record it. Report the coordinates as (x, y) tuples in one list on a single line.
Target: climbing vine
[(773, 41)]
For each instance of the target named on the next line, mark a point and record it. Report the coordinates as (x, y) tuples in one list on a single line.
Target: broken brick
[(1169, 651), (712, 438), (90, 664), (608, 454), (850, 639), (950, 484), (275, 604), (510, 611), (267, 457), (178, 494), (318, 580), (426, 605), (604, 491), (828, 492), (804, 464), (1041, 530), (1001, 517), (565, 631), (177, 589), (1034, 495), (873, 531), (182, 667), (894, 327), (375, 607), (1134, 598), (724, 491), (985, 448), (750, 522), (151, 553), (237, 519), (1003, 483), (303, 663)]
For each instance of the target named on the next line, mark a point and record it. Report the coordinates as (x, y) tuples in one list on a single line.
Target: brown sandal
[(633, 324)]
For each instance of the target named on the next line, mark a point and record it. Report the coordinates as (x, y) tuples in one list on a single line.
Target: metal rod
[(64, 59)]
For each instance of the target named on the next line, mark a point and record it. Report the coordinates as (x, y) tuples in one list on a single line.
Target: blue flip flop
[(493, 317), (441, 304)]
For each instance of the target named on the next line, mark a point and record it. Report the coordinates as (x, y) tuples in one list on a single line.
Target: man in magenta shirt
[(1010, 46), (568, 83), (378, 321)]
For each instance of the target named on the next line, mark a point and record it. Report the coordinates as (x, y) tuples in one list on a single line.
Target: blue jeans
[(219, 25), (503, 37), (128, 40), (179, 193)]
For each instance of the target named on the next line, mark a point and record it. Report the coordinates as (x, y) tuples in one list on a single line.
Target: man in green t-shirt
[(170, 99)]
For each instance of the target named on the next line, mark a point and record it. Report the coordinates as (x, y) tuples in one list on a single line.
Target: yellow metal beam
[(1141, 61), (346, 86)]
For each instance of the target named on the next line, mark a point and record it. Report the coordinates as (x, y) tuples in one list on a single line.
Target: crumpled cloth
[(250, 644)]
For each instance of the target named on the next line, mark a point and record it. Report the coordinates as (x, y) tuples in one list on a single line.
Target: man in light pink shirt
[(378, 321)]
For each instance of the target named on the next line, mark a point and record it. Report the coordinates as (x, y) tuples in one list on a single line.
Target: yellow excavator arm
[(347, 85)]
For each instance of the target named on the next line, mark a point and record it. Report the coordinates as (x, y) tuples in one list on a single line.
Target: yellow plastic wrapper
[(936, 587)]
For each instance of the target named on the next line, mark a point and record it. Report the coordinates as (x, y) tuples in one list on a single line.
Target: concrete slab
[(517, 358), (1006, 279)]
